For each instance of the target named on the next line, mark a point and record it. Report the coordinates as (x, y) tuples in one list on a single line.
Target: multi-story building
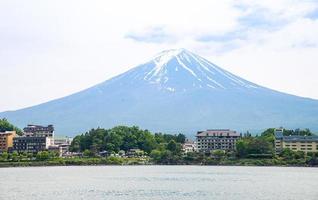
[(39, 131), (295, 142), (216, 139), (6, 140), (31, 144)]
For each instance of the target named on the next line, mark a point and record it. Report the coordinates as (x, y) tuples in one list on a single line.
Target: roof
[(7, 133), (218, 130), (297, 138), (31, 128), (218, 133)]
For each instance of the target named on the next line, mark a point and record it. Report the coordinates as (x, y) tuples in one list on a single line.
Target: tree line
[(125, 138)]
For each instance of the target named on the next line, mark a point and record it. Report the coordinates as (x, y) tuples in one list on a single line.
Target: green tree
[(180, 138), (306, 132), (268, 132), (30, 156), (172, 146), (88, 153), (148, 142), (76, 144), (254, 145), (218, 154), (53, 154), (242, 147), (288, 154), (4, 156), (42, 155), (126, 138), (155, 155), (15, 156), (167, 157), (5, 125)]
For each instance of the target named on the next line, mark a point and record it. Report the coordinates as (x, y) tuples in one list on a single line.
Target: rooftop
[(296, 137), (7, 133), (218, 132), (32, 127)]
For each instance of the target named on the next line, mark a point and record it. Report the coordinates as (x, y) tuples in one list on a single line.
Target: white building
[(217, 139), (63, 143), (189, 146)]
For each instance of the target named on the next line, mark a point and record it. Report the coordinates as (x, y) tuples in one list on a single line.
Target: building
[(134, 153), (188, 146), (31, 144), (6, 140), (63, 143), (39, 131), (295, 142), (216, 139), (63, 140)]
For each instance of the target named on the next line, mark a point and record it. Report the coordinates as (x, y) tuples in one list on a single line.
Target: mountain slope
[(176, 91)]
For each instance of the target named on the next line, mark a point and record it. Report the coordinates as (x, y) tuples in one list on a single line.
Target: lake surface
[(159, 182)]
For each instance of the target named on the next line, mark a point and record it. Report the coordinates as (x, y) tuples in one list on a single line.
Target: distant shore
[(137, 161)]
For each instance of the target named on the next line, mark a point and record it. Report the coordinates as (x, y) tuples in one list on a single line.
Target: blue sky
[(50, 49)]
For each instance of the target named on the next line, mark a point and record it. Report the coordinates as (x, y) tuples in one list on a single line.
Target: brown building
[(6, 140)]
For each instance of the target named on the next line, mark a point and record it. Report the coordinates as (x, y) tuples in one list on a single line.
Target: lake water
[(159, 182)]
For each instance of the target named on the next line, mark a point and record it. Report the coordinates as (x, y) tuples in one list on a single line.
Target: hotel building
[(295, 142), (216, 139), (36, 130), (40, 131)]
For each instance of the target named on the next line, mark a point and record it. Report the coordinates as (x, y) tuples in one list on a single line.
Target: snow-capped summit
[(181, 70), (175, 91), (166, 55)]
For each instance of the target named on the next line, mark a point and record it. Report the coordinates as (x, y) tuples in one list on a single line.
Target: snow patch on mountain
[(180, 69)]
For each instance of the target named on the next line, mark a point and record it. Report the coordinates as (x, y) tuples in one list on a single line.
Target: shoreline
[(47, 164)]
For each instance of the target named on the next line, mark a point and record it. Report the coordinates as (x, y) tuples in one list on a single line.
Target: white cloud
[(50, 49)]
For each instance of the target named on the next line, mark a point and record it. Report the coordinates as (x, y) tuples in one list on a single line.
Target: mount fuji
[(176, 91)]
